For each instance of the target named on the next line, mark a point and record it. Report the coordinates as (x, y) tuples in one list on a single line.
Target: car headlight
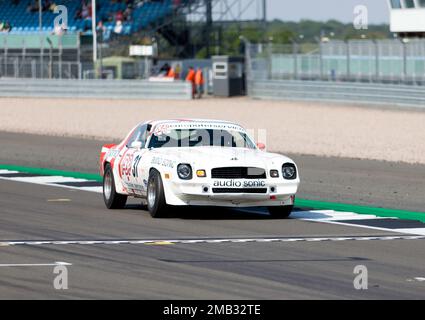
[(289, 172), (184, 171)]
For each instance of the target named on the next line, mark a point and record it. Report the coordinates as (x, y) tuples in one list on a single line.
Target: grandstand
[(24, 50), (23, 16), (33, 47), (150, 16)]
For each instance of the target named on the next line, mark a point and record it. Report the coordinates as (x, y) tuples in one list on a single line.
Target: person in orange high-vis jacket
[(171, 73), (191, 78), (199, 82)]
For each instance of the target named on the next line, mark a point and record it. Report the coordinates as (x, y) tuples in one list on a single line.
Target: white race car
[(198, 163)]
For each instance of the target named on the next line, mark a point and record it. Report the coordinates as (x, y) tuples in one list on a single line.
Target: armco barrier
[(348, 92), (108, 89)]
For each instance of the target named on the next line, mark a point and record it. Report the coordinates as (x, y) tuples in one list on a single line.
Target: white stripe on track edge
[(91, 189), (2, 171), (51, 181), (330, 215), (414, 231), (47, 179), (418, 231)]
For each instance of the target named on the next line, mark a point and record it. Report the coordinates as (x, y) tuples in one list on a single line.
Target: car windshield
[(200, 138)]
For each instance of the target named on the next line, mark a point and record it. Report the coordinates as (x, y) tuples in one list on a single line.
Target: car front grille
[(239, 190), (238, 173)]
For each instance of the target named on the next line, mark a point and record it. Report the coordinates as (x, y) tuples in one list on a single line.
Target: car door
[(130, 164)]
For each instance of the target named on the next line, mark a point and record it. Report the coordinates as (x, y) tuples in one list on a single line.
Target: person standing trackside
[(191, 78), (171, 73), (199, 82)]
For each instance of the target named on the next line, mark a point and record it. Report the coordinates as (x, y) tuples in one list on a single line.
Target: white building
[(407, 17)]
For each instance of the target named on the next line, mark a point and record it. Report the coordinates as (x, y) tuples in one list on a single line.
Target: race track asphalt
[(228, 270)]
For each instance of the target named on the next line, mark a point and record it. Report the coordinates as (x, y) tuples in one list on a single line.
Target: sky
[(322, 10)]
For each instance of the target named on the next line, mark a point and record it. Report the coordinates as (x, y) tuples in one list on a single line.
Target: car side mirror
[(136, 145), (261, 146)]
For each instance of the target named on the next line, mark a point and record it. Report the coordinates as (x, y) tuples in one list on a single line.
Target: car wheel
[(155, 196), (113, 200), (280, 211)]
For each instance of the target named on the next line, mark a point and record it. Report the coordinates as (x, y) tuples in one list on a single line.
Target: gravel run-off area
[(288, 127)]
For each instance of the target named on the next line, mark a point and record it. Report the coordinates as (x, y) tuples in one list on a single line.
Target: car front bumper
[(232, 193)]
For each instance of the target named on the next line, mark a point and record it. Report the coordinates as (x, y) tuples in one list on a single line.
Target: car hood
[(219, 156)]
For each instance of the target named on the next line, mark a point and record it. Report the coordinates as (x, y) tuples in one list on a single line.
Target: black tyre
[(280, 211), (157, 206), (113, 200)]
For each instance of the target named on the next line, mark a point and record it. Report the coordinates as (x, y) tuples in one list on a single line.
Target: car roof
[(212, 121)]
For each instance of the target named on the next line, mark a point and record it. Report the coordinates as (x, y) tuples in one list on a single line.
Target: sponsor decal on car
[(239, 183), (166, 128), (126, 165), (161, 129), (163, 162), (137, 188)]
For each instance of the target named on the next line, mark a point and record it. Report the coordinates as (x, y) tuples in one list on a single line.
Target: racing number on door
[(129, 165), (136, 162)]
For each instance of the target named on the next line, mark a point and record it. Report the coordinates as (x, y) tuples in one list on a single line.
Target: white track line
[(36, 264), (208, 241)]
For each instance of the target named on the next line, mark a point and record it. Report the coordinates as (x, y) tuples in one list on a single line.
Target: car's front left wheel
[(113, 200)]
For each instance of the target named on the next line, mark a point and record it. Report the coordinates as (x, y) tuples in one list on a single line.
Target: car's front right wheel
[(157, 206), (282, 212)]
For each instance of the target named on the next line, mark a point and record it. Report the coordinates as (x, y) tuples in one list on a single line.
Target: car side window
[(140, 134)]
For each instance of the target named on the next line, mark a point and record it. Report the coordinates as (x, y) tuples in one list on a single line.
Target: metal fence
[(40, 56), (99, 89), (384, 61), (345, 92), (37, 69)]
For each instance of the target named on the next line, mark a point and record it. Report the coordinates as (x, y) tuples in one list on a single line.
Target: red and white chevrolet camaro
[(198, 163)]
